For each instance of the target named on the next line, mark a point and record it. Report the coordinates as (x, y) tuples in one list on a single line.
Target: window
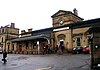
[(78, 42), (2, 30), (13, 47), (26, 45), (2, 39), (61, 37), (8, 48)]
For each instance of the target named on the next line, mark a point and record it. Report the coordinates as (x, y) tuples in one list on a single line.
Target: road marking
[(48, 68)]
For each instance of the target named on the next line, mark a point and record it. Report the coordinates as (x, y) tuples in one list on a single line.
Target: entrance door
[(62, 45), (61, 38), (61, 42)]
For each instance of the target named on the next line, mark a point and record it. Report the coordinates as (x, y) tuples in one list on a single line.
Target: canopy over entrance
[(38, 37)]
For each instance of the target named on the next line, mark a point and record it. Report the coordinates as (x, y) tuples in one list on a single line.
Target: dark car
[(77, 50), (86, 50)]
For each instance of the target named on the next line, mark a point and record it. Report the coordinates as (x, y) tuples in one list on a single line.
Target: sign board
[(59, 29), (37, 42)]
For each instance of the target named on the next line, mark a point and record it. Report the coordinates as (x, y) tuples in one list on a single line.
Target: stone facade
[(6, 34), (32, 42), (62, 18), (82, 34), (68, 30)]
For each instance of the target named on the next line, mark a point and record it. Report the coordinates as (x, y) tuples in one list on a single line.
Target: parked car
[(77, 50), (86, 50)]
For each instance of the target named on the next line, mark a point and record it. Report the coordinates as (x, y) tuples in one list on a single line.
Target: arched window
[(61, 37), (13, 47)]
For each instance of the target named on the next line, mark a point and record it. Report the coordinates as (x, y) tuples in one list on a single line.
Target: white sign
[(61, 40), (37, 42), (64, 28)]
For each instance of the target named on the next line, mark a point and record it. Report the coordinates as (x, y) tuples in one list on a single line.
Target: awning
[(27, 38)]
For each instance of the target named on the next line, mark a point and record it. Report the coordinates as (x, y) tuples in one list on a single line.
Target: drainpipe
[(71, 37)]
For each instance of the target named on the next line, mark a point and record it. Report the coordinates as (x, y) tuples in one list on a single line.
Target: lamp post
[(6, 36)]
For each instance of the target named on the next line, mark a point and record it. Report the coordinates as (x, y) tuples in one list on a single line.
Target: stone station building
[(68, 29)]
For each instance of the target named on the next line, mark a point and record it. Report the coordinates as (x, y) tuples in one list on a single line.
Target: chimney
[(75, 11), (30, 30), (23, 31), (12, 25)]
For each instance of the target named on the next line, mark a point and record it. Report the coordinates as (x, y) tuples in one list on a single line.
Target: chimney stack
[(30, 30), (12, 25), (23, 31), (75, 11)]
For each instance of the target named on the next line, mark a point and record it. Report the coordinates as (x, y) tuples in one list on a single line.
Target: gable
[(60, 12)]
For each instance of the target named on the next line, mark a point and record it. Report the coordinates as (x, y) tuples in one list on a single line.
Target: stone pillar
[(38, 47), (69, 42)]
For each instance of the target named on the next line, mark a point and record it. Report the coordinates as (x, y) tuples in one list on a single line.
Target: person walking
[(51, 49), (56, 48), (4, 56), (59, 51), (44, 50), (62, 48)]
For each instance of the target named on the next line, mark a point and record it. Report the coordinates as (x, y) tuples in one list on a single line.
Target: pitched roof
[(63, 12), (86, 23), (39, 31), (27, 38), (95, 29)]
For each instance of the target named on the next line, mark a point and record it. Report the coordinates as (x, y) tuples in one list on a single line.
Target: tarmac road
[(46, 62)]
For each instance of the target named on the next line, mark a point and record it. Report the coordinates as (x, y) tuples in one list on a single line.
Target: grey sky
[(37, 14)]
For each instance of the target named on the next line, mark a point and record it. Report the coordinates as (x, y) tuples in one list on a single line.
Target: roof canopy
[(28, 38)]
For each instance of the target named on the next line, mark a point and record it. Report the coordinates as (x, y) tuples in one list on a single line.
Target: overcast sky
[(37, 14)]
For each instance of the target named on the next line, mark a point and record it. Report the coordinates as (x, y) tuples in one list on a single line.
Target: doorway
[(61, 42)]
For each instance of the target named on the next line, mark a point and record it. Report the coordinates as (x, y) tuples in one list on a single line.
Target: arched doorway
[(61, 39), (43, 44)]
